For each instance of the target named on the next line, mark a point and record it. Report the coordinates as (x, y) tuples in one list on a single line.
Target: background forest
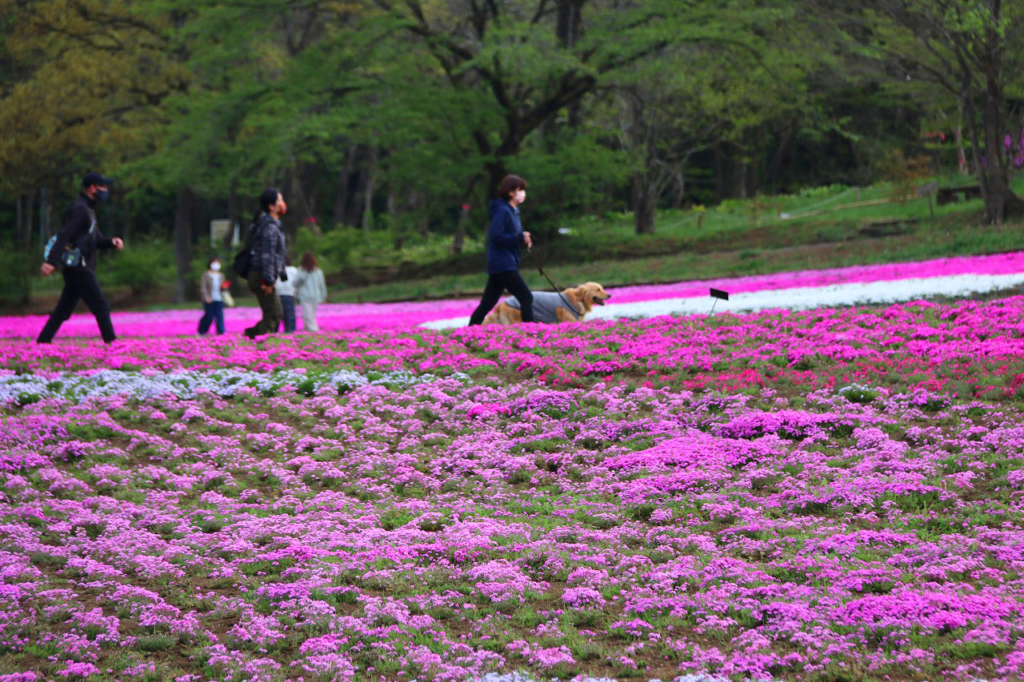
[(390, 122)]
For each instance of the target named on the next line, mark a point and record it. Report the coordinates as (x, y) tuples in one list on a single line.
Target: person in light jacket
[(213, 299), (268, 251), (503, 239), (310, 290)]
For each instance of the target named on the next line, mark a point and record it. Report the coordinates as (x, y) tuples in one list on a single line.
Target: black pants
[(496, 284), (79, 283)]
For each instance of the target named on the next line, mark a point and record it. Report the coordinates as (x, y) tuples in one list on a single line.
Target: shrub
[(141, 267), (18, 265), (332, 249)]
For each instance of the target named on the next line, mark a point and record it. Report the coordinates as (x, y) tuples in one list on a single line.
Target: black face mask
[(102, 195)]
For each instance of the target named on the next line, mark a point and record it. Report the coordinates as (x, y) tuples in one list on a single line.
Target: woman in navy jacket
[(503, 251)]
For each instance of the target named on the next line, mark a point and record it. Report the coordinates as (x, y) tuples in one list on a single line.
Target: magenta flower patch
[(820, 495)]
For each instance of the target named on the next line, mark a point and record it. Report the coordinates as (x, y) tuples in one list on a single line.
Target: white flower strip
[(27, 388), (800, 298)]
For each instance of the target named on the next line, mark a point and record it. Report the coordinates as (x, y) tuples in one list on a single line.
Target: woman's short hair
[(510, 183), (308, 261), (212, 260)]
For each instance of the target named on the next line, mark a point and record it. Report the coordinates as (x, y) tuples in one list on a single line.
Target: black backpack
[(242, 263)]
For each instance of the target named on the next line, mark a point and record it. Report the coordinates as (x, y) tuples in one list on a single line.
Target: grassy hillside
[(825, 227), (817, 228)]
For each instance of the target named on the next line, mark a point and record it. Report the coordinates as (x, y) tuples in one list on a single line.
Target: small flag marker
[(717, 294)]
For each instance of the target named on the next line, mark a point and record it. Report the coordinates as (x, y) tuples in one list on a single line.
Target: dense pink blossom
[(780, 495)]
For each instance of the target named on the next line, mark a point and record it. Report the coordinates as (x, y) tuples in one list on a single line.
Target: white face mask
[(215, 267), (520, 196)]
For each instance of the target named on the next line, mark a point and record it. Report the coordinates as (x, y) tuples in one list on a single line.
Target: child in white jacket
[(310, 291)]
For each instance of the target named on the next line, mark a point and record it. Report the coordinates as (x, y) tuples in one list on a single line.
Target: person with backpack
[(266, 249), (73, 252), (503, 238)]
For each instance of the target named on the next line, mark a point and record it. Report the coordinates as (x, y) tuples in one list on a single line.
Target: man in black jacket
[(74, 252)]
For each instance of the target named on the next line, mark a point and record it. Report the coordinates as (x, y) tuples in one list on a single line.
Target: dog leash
[(554, 288)]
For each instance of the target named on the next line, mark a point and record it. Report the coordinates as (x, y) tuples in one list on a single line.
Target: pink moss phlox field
[(368, 316), (830, 494)]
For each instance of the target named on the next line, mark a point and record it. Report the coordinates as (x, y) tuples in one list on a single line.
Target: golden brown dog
[(552, 307)]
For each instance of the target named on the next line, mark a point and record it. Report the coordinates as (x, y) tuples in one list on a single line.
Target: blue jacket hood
[(497, 205)]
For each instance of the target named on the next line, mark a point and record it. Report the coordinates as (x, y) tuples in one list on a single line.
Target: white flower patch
[(29, 388)]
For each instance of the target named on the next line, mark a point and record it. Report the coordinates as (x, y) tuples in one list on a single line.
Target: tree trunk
[(773, 168), (993, 174), (239, 221), (297, 207), (19, 217), (422, 219), (23, 221), (309, 190), (234, 218), (496, 172), (182, 243), (30, 205), (645, 203), (371, 181), (723, 173), (993, 171), (459, 241), (396, 211), (46, 214), (961, 155), (568, 29), (679, 191), (127, 222), (301, 204), (341, 191)]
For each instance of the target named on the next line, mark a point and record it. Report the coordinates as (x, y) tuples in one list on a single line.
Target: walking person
[(286, 290), (267, 264), (503, 239), (310, 290), (74, 252), (213, 298)]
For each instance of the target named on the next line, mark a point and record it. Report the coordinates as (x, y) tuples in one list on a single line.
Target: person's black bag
[(72, 256), (242, 263)]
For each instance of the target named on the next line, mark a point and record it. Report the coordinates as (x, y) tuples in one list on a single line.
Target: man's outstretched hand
[(118, 243), (47, 269)]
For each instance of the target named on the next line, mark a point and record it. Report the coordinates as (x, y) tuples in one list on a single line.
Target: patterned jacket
[(268, 249)]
